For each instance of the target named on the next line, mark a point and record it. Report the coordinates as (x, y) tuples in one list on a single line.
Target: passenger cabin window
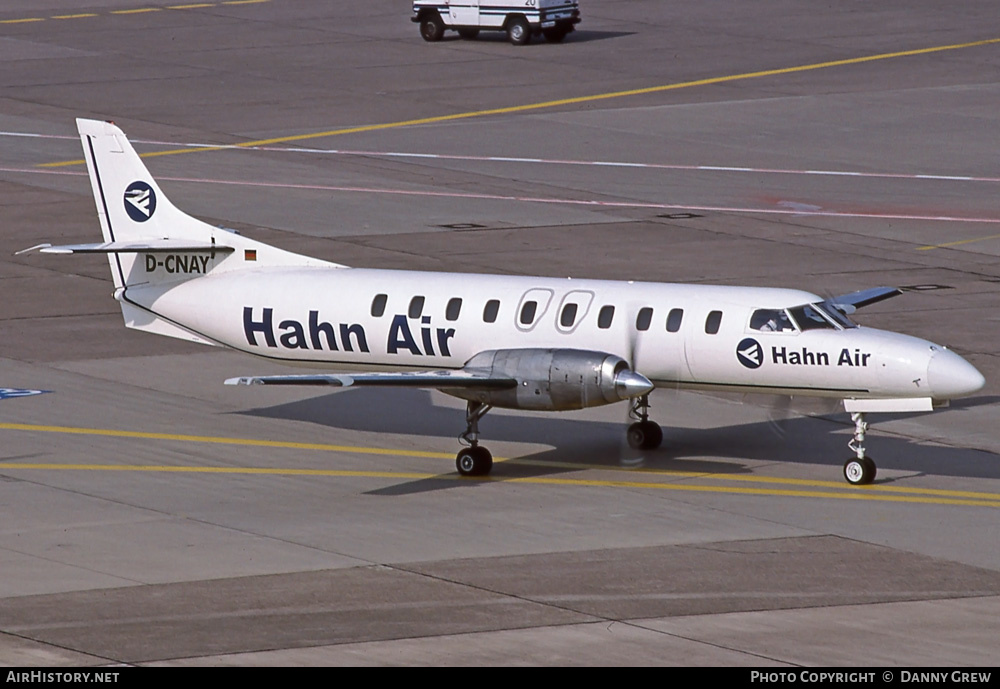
[(605, 316), (568, 316), (644, 318), (809, 318), (491, 310), (771, 321), (674, 319), (454, 309), (713, 322), (528, 309), (378, 305), (416, 307)]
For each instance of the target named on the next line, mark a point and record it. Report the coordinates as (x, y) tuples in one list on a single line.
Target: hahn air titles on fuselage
[(408, 318)]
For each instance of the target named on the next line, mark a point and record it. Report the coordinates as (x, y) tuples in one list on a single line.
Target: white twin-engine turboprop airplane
[(518, 342)]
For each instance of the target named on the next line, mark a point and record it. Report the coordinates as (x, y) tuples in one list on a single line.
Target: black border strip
[(104, 203)]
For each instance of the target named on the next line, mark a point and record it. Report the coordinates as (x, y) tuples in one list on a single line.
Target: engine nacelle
[(555, 379)]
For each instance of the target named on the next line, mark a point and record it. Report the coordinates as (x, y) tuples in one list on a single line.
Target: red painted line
[(538, 199)]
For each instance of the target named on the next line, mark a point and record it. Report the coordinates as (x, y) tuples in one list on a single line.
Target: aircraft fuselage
[(692, 336)]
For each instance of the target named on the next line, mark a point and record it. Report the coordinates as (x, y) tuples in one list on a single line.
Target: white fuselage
[(335, 318)]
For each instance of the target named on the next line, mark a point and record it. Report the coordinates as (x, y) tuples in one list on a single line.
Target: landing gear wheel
[(644, 435), (518, 31), (432, 28), (474, 461), (468, 34), (859, 472)]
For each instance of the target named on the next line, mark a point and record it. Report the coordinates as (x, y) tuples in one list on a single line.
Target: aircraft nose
[(951, 376)]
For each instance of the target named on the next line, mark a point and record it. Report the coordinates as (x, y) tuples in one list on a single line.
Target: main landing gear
[(643, 434), (476, 460), (859, 470)]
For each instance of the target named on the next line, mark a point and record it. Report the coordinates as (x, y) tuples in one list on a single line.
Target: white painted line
[(553, 161)]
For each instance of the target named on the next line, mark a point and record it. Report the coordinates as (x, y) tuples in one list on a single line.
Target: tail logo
[(750, 353), (140, 201)]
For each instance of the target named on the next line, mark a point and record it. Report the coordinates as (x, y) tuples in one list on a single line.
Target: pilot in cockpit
[(770, 321)]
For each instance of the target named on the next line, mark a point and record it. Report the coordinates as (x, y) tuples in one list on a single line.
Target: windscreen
[(808, 318), (835, 314)]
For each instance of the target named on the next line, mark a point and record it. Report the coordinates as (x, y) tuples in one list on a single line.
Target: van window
[(454, 308), (644, 318), (674, 319), (491, 311), (378, 305), (605, 316), (416, 307), (713, 322)]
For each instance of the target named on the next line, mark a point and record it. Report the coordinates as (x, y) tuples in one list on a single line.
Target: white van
[(521, 19)]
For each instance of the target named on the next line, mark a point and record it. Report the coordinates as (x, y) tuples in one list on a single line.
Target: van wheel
[(518, 31), (555, 34), (432, 28), (468, 34)]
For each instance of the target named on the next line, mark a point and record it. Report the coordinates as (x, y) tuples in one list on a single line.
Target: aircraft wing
[(468, 379), (849, 303)]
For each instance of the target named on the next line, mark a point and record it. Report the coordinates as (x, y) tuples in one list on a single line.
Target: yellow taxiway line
[(957, 243), (644, 477), (134, 10), (563, 101)]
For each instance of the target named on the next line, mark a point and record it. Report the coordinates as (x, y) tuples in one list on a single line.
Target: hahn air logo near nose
[(140, 201), (750, 353)]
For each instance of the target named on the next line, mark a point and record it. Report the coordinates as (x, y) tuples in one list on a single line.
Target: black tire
[(554, 35), (644, 435), (468, 34), (431, 27), (474, 461), (871, 469), (654, 436), (859, 472), (518, 31)]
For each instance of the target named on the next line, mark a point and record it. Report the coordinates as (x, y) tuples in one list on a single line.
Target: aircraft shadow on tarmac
[(799, 439)]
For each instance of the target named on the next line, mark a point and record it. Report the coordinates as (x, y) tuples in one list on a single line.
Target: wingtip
[(245, 380), (36, 247)]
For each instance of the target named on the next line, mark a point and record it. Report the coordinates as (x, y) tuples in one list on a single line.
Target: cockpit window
[(836, 315), (809, 318), (771, 321)]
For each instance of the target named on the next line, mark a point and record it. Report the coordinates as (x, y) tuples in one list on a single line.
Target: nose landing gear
[(643, 434), (859, 470)]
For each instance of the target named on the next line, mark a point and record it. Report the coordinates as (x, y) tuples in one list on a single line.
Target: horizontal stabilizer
[(145, 246), (413, 379)]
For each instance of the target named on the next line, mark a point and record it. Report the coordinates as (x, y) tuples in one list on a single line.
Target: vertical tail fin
[(130, 205), (147, 236)]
